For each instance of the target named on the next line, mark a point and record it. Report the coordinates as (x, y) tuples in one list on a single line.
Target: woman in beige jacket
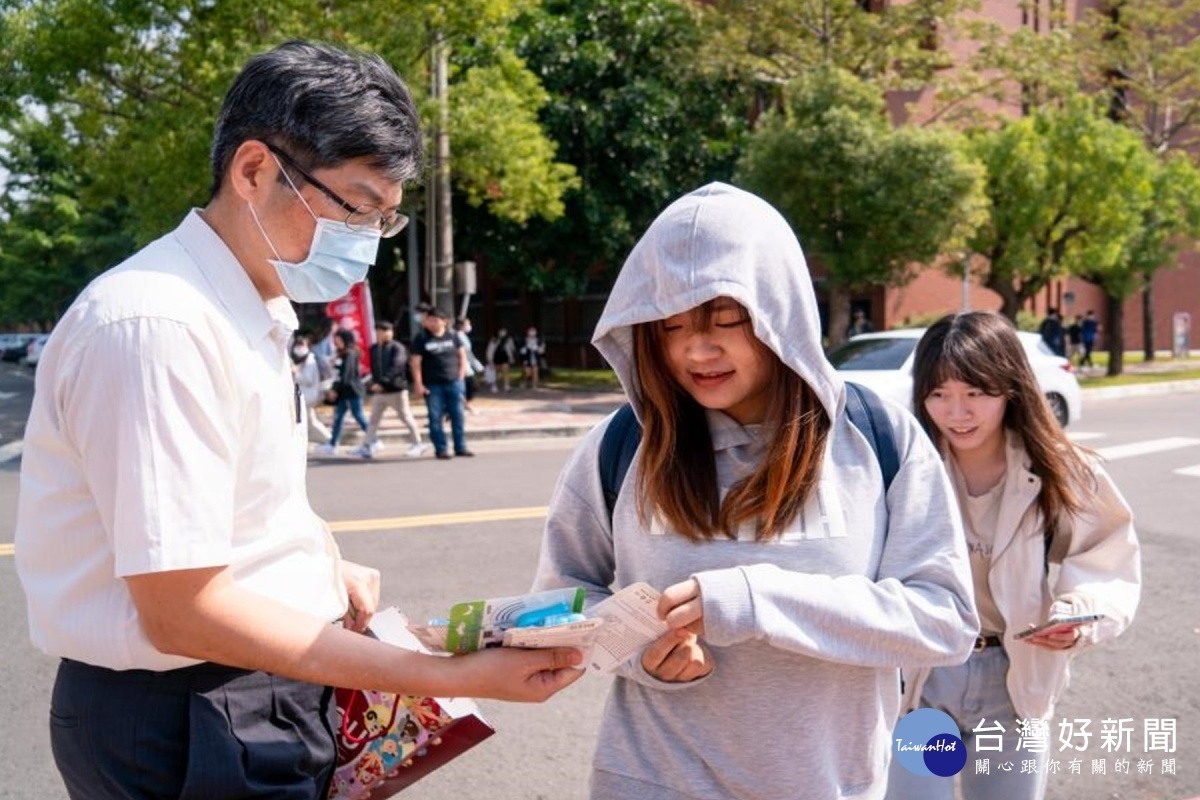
[(1048, 534)]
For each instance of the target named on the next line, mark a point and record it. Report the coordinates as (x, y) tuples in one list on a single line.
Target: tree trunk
[(1148, 318), (1010, 301), (839, 313), (1114, 336)]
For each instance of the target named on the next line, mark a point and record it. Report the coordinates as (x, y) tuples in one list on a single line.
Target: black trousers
[(206, 732)]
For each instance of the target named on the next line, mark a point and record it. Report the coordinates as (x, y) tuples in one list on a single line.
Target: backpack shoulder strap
[(866, 411), (624, 434), (617, 448)]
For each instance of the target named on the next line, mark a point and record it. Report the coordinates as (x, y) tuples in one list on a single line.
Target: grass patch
[(1138, 357), (594, 380), (1127, 379)]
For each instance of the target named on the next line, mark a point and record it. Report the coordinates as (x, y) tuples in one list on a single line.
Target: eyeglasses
[(359, 218)]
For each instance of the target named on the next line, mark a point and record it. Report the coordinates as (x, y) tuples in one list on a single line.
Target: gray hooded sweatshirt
[(806, 631)]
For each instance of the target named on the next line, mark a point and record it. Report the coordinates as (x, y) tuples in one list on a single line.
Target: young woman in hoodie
[(1049, 536), (793, 585)]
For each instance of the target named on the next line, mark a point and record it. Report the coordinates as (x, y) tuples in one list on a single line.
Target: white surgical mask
[(338, 258)]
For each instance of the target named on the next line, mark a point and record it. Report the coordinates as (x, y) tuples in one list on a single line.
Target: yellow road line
[(423, 521), (457, 518)]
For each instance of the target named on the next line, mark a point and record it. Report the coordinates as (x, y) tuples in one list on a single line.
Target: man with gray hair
[(164, 539)]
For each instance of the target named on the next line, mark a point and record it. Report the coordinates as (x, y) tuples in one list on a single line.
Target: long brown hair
[(678, 472), (981, 349)]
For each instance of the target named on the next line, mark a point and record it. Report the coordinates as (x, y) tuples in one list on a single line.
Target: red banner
[(354, 313)]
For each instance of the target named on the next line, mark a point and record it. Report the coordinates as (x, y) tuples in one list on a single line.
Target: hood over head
[(720, 241)]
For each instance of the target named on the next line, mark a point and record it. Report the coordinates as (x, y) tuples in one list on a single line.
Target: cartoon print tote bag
[(386, 741)]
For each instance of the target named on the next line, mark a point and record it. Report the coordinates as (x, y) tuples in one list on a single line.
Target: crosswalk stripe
[(1191, 472), (1145, 448), (11, 450)]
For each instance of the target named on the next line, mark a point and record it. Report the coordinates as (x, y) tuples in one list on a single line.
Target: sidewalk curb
[(394, 434), (1140, 390), (400, 434)]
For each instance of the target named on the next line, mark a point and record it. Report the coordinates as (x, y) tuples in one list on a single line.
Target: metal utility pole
[(440, 228), (413, 268)]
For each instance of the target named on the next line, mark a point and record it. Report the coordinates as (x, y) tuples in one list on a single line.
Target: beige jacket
[(1097, 569)]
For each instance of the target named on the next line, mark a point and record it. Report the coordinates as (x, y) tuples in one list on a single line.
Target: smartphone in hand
[(1059, 622)]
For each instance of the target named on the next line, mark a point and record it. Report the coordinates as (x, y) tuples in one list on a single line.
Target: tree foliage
[(51, 242), (133, 89), (637, 121), (897, 45), (1068, 190), (868, 201), (1011, 72), (1167, 220), (1147, 55)]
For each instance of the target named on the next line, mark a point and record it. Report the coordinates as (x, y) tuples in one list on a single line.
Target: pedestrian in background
[(792, 583), (439, 368), (164, 539), (1075, 339), (532, 351), (1052, 333), (501, 355), (389, 389), (1089, 330), (1049, 536), (348, 389), (307, 374), (475, 368), (859, 324), (325, 351)]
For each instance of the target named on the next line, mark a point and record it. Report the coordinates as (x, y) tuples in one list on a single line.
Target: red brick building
[(1174, 291)]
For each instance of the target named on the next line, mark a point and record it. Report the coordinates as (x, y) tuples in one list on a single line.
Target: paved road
[(542, 751)]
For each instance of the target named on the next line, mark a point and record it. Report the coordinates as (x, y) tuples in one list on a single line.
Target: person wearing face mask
[(165, 543), (533, 350), (307, 374), (501, 355)]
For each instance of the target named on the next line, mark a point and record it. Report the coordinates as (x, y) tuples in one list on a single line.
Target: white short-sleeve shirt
[(165, 435)]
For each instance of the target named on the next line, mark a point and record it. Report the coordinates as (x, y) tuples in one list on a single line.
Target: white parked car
[(33, 351), (884, 362)]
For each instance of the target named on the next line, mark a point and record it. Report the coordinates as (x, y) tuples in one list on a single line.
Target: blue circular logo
[(928, 742)]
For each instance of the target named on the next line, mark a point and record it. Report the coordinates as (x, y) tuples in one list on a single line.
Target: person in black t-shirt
[(439, 368)]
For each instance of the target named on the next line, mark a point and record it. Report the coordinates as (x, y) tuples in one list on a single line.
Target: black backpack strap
[(866, 411), (617, 448), (624, 433)]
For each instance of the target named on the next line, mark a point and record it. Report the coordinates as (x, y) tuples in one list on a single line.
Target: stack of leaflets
[(609, 633)]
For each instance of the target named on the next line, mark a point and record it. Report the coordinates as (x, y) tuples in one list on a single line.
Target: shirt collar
[(727, 433), (232, 286)]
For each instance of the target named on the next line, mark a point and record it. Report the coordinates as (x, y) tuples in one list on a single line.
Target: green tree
[(868, 201), (51, 243), (634, 117), (897, 45), (1168, 221), (1068, 191), (1012, 71), (135, 87), (1146, 56)]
